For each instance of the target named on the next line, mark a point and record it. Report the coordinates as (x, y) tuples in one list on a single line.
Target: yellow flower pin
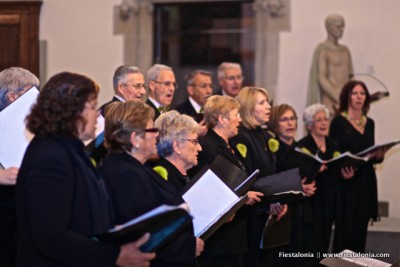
[(336, 154), (93, 162), (273, 145), (162, 172), (242, 150), (305, 150)]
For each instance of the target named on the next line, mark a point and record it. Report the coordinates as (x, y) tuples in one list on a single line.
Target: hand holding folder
[(163, 223)]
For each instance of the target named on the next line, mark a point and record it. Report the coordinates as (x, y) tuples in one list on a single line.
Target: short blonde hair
[(247, 98), (173, 126), (121, 120), (216, 106)]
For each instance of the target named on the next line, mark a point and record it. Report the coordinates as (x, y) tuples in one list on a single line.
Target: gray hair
[(172, 126), (225, 66), (154, 71), (311, 111), (15, 80), (121, 72), (190, 76)]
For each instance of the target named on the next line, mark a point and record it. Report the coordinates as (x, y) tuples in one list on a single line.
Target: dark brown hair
[(345, 96), (60, 105)]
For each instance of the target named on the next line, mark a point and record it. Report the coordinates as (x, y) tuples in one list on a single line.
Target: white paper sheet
[(207, 200), (14, 136)]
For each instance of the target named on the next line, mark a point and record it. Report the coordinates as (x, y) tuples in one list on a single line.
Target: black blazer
[(187, 108), (61, 202), (104, 106), (258, 155), (174, 176), (212, 145), (231, 238), (136, 189), (156, 111)]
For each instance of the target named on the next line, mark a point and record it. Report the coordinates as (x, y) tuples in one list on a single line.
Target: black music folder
[(283, 187), (163, 223), (387, 145), (310, 164)]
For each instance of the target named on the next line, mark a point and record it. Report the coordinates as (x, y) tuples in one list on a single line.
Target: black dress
[(227, 246), (358, 196), (325, 198), (302, 236), (135, 189), (253, 147)]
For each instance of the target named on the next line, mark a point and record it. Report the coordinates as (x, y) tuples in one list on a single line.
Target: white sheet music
[(207, 200), (14, 136), (99, 128)]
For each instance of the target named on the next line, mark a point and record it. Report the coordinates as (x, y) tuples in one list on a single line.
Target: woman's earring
[(137, 146)]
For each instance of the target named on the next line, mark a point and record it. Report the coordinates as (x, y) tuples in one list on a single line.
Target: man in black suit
[(128, 83), (199, 88), (162, 85), (230, 78)]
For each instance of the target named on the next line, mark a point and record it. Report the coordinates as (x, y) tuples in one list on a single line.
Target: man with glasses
[(230, 79), (162, 85), (14, 82), (128, 83)]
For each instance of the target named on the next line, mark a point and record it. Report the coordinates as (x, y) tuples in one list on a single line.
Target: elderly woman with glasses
[(61, 199), (283, 123), (178, 147), (317, 142), (229, 244), (135, 188)]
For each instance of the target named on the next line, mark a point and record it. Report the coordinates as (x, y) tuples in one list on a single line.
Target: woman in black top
[(229, 244), (317, 142), (354, 132), (258, 151), (177, 146), (60, 198), (135, 188), (284, 123)]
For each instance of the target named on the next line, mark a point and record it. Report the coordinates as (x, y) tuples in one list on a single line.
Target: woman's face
[(287, 125), (147, 142), (189, 150), (232, 123), (89, 114), (262, 109), (320, 124), (357, 98)]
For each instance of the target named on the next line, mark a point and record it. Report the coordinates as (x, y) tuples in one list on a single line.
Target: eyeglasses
[(203, 85), (136, 86), (232, 78), (168, 83), (193, 141), (287, 119), (151, 130)]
